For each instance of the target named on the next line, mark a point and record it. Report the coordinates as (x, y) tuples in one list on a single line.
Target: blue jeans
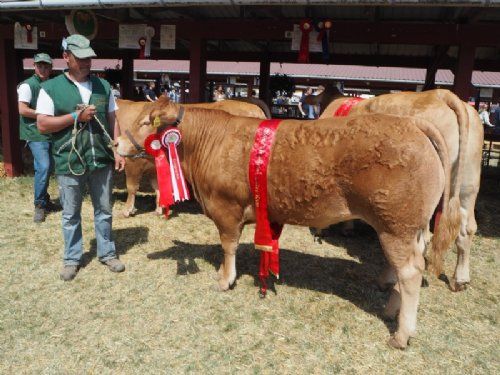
[(43, 167), (311, 113), (71, 191)]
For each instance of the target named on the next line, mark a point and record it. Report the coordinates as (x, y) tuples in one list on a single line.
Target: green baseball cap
[(79, 46), (42, 58)]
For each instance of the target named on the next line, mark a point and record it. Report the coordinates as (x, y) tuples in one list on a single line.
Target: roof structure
[(403, 33), (326, 72)]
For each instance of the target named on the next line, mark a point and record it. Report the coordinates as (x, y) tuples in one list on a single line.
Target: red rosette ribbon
[(346, 107), (153, 147), (266, 233), (170, 139), (305, 27), (142, 47), (29, 33)]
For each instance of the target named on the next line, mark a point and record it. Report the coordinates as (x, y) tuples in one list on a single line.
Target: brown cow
[(134, 118), (462, 131), (323, 172)]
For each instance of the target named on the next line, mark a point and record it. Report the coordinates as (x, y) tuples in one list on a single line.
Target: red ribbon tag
[(266, 234), (142, 47), (29, 33), (305, 27), (153, 147), (346, 107)]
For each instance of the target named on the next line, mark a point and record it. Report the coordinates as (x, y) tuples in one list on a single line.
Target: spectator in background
[(149, 92), (116, 91), (305, 109), (219, 94), (484, 115)]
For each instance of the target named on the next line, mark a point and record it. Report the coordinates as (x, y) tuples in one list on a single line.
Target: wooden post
[(11, 144), (127, 81), (265, 71), (197, 70), (462, 85)]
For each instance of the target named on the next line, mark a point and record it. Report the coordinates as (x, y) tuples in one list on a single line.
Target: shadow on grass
[(347, 279), (146, 203), (125, 239)]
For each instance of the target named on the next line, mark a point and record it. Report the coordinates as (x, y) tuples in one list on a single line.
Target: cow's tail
[(449, 224), (458, 107)]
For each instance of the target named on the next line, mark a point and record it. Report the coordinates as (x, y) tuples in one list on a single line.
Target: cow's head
[(135, 125), (168, 114)]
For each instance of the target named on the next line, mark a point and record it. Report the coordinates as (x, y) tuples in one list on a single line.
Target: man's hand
[(119, 162), (87, 114)]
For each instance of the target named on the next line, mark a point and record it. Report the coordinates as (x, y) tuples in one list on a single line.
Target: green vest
[(90, 142), (28, 130)]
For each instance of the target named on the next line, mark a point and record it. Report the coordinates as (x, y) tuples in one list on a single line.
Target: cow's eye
[(145, 123)]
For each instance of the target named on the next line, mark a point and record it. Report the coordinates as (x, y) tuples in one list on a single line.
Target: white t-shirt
[(24, 93), (45, 104)]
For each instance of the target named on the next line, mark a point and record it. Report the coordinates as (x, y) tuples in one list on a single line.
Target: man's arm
[(51, 124), (26, 111)]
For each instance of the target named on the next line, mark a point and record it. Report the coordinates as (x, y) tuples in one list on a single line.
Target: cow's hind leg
[(406, 257), (468, 228)]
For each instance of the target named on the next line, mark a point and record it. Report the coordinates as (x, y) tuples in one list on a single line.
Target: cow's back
[(360, 167)]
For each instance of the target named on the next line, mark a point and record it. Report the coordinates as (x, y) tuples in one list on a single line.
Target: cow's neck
[(202, 134)]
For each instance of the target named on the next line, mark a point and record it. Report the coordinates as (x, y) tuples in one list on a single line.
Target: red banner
[(346, 107), (266, 234)]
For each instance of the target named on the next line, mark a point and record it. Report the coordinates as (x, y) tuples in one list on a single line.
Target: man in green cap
[(78, 110), (39, 144)]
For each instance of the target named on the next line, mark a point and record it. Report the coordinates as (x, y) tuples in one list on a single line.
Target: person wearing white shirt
[(39, 144), (78, 110)]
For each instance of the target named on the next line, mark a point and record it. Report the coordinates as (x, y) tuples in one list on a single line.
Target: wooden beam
[(265, 72), (484, 34), (462, 85), (197, 70), (127, 83), (8, 106)]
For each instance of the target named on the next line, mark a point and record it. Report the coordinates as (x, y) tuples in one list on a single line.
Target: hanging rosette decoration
[(29, 33), (170, 139), (305, 27), (323, 29), (142, 47), (171, 182), (153, 147)]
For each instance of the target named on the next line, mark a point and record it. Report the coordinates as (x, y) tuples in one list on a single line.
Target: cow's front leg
[(132, 188), (227, 271)]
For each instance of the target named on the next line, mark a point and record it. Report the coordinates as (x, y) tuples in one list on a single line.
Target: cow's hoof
[(221, 286), (129, 213), (458, 286), (395, 343)]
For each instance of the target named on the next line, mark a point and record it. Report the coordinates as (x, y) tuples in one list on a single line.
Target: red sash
[(346, 107), (266, 234)]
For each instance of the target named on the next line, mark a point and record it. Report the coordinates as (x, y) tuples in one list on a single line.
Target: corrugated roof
[(335, 72)]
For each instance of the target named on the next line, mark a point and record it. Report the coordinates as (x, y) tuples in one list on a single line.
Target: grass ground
[(161, 316)]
